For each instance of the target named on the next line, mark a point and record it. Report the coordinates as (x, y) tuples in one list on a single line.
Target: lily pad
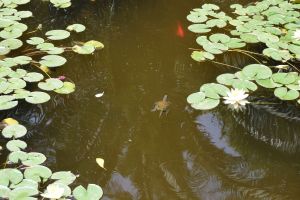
[(64, 177), (51, 84), (38, 173), (92, 192), (257, 71), (76, 27), (37, 97), (15, 131), (284, 94), (8, 176), (53, 61), (57, 34), (34, 159), (67, 88), (16, 145)]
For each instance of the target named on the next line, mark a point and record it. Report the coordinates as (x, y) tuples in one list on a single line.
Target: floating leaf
[(17, 156), (67, 88), (198, 28), (92, 192), (284, 94), (4, 192), (23, 193), (51, 84), (97, 45), (76, 27), (57, 34), (213, 90), (34, 159), (285, 78), (33, 77), (8, 176), (37, 97), (226, 79), (202, 56), (83, 49), (267, 83), (15, 130), (37, 173), (53, 61), (35, 40), (100, 162), (64, 177), (257, 71), (16, 145)]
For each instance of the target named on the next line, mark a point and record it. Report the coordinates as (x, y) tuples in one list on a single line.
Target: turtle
[(161, 105)]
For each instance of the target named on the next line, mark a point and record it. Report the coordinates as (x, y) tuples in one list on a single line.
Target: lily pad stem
[(219, 63), (34, 63)]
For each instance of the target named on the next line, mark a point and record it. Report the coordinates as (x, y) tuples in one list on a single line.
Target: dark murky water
[(184, 155)]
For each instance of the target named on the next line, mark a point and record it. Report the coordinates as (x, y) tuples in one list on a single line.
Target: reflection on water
[(183, 155)]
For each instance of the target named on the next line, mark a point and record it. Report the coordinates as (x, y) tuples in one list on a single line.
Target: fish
[(180, 32)]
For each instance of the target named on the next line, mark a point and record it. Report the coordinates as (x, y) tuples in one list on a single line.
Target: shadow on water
[(182, 155)]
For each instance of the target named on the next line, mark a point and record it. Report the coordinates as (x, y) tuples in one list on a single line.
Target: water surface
[(185, 154)]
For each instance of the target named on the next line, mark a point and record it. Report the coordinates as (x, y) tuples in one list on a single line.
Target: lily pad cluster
[(33, 61), (286, 85), (25, 176), (272, 23)]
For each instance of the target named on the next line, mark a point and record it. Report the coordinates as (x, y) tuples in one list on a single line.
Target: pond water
[(185, 154)]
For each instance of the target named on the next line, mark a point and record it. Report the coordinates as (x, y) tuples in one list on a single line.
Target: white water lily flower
[(53, 191), (296, 35), (236, 98)]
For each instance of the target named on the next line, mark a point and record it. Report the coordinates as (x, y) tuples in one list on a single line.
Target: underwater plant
[(274, 25)]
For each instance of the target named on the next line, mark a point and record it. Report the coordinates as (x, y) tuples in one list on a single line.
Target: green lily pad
[(37, 97), (245, 85), (249, 38), (216, 23), (92, 192), (17, 156), (215, 48), (12, 44), (57, 34), (226, 79), (285, 78), (196, 97), (257, 71), (284, 94), (83, 49), (93, 43), (34, 159), (8, 176), (33, 77), (7, 102), (16, 145), (279, 55), (4, 192), (202, 56), (196, 17), (53, 61), (214, 90), (25, 192), (25, 182), (15, 131), (219, 37), (64, 177), (206, 104), (38, 173), (76, 27), (51, 84), (267, 83), (67, 88), (35, 40), (198, 28)]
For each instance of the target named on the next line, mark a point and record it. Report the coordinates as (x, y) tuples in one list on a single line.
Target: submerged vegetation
[(23, 63), (274, 25)]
